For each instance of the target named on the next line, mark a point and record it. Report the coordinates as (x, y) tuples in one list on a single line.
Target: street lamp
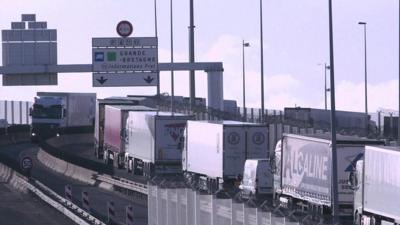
[(335, 192), (172, 58), (364, 24), (262, 61), (244, 44)]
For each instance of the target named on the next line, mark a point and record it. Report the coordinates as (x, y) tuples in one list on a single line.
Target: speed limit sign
[(26, 163), (124, 28)]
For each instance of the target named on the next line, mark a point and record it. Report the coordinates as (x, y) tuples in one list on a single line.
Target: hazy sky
[(295, 41)]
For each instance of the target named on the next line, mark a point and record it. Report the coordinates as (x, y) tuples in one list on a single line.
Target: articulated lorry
[(377, 187), (53, 111), (303, 171), (154, 143), (115, 135), (100, 118), (216, 151)]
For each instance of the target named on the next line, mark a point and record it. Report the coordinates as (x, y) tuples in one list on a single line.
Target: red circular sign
[(124, 28)]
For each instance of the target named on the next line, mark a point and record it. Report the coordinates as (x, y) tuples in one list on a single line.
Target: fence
[(203, 113), (167, 206), (15, 112)]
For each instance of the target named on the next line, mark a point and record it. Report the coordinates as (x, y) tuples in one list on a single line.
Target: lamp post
[(156, 34), (334, 197), (262, 62), (244, 44), (192, 82), (364, 24), (172, 59)]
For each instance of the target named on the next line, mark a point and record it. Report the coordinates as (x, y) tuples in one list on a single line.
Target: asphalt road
[(17, 208), (98, 197)]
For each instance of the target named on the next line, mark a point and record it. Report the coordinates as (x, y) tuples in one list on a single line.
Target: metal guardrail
[(83, 217), (64, 206), (124, 183)]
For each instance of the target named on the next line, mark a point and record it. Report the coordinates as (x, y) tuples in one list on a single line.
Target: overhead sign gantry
[(117, 61)]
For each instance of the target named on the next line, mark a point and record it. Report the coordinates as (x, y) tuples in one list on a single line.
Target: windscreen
[(48, 112)]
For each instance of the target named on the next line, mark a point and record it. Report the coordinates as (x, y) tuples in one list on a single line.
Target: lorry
[(215, 152), (376, 182), (54, 111), (257, 180), (154, 142), (99, 119), (303, 172), (115, 132)]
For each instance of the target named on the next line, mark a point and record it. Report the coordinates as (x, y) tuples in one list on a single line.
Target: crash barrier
[(23, 184), (67, 169), (137, 191), (74, 159)]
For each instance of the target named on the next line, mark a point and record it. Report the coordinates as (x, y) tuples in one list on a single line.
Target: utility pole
[(364, 24), (192, 84), (262, 62), (334, 197), (156, 34), (172, 59), (398, 123), (244, 44)]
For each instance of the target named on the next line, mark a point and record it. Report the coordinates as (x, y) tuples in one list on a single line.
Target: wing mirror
[(353, 180)]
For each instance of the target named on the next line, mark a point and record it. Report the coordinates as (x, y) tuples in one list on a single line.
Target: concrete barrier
[(67, 169), (14, 179)]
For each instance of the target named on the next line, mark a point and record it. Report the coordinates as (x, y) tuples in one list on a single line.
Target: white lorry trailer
[(303, 171), (154, 142), (53, 111), (377, 187), (215, 152)]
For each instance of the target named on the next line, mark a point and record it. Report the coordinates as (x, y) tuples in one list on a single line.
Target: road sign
[(124, 28), (124, 79), (124, 59), (119, 62), (26, 163), (140, 42)]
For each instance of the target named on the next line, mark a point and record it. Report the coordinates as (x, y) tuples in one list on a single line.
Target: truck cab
[(47, 116), (356, 181)]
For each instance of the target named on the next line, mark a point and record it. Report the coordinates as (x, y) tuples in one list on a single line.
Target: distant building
[(349, 123), (390, 127)]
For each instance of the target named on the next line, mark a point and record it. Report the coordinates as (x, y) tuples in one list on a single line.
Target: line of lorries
[(220, 155)]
